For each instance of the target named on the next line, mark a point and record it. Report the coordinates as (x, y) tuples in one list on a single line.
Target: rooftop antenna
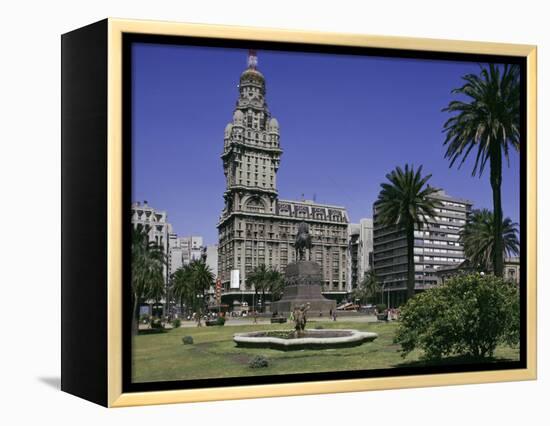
[(252, 59)]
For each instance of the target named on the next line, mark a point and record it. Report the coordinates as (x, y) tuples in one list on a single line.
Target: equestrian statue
[(303, 241)]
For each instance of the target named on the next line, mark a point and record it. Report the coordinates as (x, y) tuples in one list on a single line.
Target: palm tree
[(405, 203), (275, 283), (265, 279), (148, 261), (478, 237), (487, 122), (259, 278), (181, 285), (368, 288), (201, 278)]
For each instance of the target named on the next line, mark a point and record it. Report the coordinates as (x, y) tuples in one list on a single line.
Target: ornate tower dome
[(252, 85), (251, 152), (251, 75), (273, 125)]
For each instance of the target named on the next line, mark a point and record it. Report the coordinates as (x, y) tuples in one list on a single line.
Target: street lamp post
[(200, 298)]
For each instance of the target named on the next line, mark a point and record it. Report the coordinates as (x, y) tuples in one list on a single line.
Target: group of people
[(390, 314)]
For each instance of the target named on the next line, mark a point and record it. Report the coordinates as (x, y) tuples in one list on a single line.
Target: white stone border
[(354, 337)]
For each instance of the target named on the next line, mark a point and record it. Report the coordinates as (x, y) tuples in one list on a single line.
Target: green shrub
[(259, 361), (176, 323), (144, 318), (468, 315), (156, 323), (381, 307), (220, 321), (187, 340)]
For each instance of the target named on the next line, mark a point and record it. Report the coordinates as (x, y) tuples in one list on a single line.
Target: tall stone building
[(256, 227), (436, 246)]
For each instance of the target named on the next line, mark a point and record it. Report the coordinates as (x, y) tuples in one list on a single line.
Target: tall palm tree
[(275, 285), (478, 237), (148, 261), (368, 287), (371, 284), (259, 278), (202, 278), (405, 203), (486, 122), (265, 279), (181, 285)]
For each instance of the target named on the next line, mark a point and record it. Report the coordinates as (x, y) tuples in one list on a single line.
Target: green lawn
[(163, 357)]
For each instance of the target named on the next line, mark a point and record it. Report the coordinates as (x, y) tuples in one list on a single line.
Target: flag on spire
[(252, 59)]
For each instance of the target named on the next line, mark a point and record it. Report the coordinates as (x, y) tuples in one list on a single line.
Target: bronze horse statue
[(303, 241)]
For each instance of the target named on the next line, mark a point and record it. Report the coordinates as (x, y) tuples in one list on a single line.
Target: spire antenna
[(252, 59)]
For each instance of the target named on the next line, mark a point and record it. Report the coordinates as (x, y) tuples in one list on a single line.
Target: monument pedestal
[(303, 286)]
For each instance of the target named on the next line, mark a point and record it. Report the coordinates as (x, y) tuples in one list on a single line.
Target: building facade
[(156, 224), (184, 250), (360, 243), (436, 246), (256, 227), (511, 270), (353, 275), (212, 259)]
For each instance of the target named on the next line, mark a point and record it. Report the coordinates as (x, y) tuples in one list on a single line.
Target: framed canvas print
[(253, 212)]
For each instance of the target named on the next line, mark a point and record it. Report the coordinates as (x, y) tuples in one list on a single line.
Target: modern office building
[(184, 250), (256, 227), (435, 246), (175, 254), (212, 259), (353, 276), (360, 243)]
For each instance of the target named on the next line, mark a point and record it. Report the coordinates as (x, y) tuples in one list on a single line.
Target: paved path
[(262, 321)]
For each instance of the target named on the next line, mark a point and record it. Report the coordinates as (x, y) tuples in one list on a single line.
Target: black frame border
[(129, 38)]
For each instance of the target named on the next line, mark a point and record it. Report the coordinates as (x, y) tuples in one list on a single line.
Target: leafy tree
[(405, 203), (148, 261), (478, 237), (467, 315), (486, 122)]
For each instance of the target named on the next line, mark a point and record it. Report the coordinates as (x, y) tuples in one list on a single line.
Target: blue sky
[(346, 121)]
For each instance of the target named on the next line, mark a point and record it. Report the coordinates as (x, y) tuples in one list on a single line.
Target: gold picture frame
[(115, 397)]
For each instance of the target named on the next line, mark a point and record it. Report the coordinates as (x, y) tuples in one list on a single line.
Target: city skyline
[(183, 97)]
